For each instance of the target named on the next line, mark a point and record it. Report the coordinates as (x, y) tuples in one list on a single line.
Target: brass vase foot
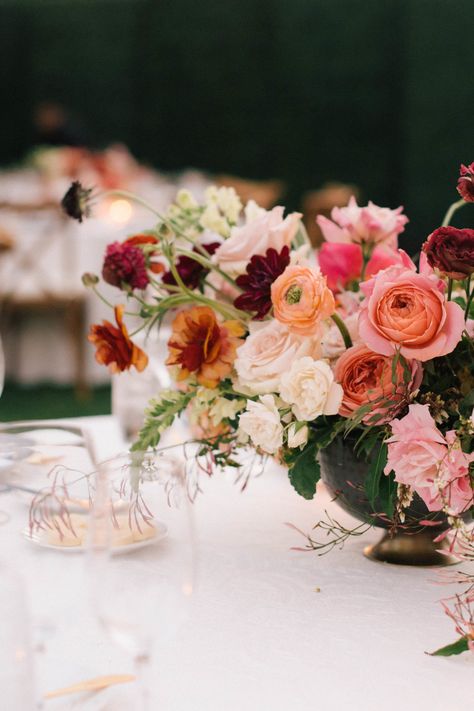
[(405, 549)]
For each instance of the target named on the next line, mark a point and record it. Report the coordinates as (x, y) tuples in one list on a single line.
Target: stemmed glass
[(140, 507)]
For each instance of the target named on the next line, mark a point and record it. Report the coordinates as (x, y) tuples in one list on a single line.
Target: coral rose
[(267, 353), (114, 347), (408, 311), (256, 237), (366, 377), (301, 299), (451, 251), (370, 224), (200, 345)]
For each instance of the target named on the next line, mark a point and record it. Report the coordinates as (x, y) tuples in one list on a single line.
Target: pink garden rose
[(370, 224), (432, 465), (407, 310), (342, 262), (267, 353), (255, 237)]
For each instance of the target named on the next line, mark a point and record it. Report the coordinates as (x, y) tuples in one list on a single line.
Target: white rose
[(310, 389), (261, 422), (266, 354), (297, 438), (255, 237)]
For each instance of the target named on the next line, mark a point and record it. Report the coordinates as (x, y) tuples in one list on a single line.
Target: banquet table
[(270, 627)]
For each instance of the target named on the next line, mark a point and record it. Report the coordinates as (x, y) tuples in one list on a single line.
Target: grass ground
[(19, 402)]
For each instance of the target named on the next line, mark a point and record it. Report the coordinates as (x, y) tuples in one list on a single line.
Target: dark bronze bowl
[(344, 475)]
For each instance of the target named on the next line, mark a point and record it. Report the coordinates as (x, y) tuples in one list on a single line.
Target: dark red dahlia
[(465, 185), (261, 273), (125, 266), (191, 272)]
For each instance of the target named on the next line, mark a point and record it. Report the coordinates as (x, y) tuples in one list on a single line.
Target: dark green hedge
[(375, 92)]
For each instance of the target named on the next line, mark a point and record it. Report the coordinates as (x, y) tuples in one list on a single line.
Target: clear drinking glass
[(16, 656), (141, 508)]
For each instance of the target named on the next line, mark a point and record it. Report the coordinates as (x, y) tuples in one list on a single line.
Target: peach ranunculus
[(202, 346), (342, 262), (408, 311), (255, 237), (432, 465), (114, 347), (366, 377), (370, 224), (267, 353), (301, 299)]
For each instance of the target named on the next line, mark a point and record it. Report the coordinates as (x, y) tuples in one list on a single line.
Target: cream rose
[(297, 438), (261, 422), (267, 353), (255, 237), (310, 389)]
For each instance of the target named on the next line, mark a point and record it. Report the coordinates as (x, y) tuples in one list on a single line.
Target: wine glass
[(141, 509)]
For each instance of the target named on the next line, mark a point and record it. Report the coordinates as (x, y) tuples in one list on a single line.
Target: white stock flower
[(212, 219), (222, 409), (186, 200), (297, 438), (267, 353), (261, 422), (310, 389)]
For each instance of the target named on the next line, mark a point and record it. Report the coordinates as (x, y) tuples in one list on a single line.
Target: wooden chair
[(25, 285)]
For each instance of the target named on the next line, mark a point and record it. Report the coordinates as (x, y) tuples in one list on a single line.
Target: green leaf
[(387, 493), (375, 473), (458, 647), (305, 472)]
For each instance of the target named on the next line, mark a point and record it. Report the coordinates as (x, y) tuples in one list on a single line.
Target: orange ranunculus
[(114, 347), (301, 299), (201, 345)]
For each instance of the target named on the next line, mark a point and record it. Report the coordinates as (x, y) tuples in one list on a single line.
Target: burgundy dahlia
[(261, 273), (191, 272), (125, 267), (465, 186), (451, 251)]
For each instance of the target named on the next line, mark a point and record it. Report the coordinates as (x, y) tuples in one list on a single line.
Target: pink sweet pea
[(370, 224), (408, 311), (342, 262)]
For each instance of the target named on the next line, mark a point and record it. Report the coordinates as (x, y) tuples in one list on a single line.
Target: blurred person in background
[(54, 126)]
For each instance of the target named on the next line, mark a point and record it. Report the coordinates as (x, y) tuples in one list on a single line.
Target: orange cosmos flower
[(301, 299), (201, 345), (114, 347)]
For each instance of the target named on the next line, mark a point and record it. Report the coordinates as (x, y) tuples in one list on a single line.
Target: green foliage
[(458, 647), (375, 474), (387, 493), (160, 415), (304, 471)]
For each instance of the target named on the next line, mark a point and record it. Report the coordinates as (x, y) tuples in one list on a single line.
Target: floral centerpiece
[(296, 353)]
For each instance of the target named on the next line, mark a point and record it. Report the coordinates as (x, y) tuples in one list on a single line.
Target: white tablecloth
[(260, 635)]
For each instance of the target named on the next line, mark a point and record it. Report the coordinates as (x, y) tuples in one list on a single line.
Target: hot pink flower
[(407, 310), (342, 262), (370, 224)]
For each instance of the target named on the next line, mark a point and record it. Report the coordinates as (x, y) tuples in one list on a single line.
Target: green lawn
[(19, 402)]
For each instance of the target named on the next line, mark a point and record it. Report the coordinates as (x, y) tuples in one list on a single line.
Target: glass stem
[(142, 673)]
